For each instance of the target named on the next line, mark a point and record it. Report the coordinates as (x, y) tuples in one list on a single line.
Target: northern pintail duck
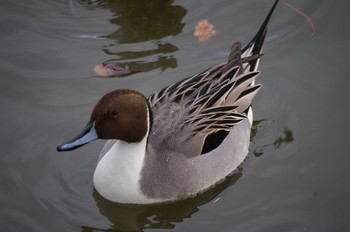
[(180, 141)]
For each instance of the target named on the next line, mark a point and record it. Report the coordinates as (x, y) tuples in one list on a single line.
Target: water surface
[(295, 175)]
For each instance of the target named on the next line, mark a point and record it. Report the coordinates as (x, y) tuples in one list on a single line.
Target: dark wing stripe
[(246, 77), (222, 91), (231, 73), (249, 90)]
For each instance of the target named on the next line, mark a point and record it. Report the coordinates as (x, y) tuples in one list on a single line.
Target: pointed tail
[(255, 46)]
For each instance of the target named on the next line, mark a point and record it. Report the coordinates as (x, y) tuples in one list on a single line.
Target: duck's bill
[(88, 135)]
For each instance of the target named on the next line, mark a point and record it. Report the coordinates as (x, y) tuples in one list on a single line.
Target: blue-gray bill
[(88, 135)]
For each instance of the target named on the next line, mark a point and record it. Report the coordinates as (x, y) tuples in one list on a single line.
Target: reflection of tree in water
[(140, 21), (144, 20), (163, 61), (286, 137)]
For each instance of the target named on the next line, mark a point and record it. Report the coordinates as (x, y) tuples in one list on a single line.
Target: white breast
[(117, 175)]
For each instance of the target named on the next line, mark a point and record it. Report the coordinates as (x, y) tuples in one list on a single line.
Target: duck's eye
[(113, 113)]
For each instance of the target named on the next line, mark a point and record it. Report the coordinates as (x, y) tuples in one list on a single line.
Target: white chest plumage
[(117, 175)]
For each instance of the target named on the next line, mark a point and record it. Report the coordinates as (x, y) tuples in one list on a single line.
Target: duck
[(181, 141)]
